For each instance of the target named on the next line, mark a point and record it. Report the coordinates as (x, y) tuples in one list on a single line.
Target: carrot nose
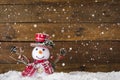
[(40, 52)]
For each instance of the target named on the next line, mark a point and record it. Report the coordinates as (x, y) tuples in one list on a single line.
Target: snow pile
[(14, 75)]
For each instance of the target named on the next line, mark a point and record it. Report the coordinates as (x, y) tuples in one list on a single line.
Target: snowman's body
[(41, 56), (41, 66)]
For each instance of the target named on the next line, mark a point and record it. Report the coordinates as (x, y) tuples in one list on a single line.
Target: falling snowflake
[(102, 33), (63, 64), (67, 17), (62, 31), (96, 0), (26, 10), (103, 14), (63, 9), (118, 24), (18, 31), (35, 25), (93, 15), (111, 49), (68, 36), (53, 35), (49, 20), (70, 49), (92, 59), (81, 5), (54, 9), (18, 13)]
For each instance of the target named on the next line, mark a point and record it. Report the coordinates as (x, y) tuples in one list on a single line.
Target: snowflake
[(111, 49), (49, 20), (68, 36), (118, 24), (18, 31), (70, 49), (103, 14), (96, 0), (67, 17), (63, 9), (81, 5), (35, 25), (26, 10), (93, 15), (92, 59), (53, 35), (63, 64), (62, 31), (6, 9), (54, 9), (18, 13), (102, 33)]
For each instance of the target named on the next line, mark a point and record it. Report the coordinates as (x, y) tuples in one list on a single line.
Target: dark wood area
[(61, 13), (88, 29)]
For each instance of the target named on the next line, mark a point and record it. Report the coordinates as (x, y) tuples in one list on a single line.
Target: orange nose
[(40, 52)]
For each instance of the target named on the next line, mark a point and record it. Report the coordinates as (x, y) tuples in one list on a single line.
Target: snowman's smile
[(39, 57)]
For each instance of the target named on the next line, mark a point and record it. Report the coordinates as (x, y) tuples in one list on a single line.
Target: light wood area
[(63, 12), (59, 32)]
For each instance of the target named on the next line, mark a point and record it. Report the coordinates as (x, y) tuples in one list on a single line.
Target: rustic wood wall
[(88, 29)]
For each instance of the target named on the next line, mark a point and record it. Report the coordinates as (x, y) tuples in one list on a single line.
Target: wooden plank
[(62, 12), (101, 52), (67, 68), (51, 1), (59, 32)]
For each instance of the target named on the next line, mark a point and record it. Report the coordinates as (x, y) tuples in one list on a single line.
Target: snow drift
[(15, 75)]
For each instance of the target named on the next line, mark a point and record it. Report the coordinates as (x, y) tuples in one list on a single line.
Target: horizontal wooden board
[(101, 52), (53, 1), (62, 12), (67, 68), (59, 32)]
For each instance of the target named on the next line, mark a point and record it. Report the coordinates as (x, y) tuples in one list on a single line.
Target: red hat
[(42, 39)]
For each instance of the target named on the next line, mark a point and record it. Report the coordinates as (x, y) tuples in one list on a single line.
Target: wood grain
[(67, 68), (77, 51), (52, 1), (57, 13), (59, 32)]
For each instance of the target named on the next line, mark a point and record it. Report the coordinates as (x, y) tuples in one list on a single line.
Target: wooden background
[(88, 29)]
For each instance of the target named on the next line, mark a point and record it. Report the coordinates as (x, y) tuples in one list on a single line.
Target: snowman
[(40, 53)]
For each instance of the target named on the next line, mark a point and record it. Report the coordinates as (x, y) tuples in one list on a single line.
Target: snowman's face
[(40, 53)]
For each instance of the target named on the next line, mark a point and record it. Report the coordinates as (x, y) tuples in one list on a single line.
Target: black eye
[(36, 49), (43, 49)]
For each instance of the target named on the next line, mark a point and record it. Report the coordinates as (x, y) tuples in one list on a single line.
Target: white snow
[(15, 75)]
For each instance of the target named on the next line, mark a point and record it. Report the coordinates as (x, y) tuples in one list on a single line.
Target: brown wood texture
[(100, 52), (67, 68), (59, 32), (52, 1), (87, 29), (63, 12)]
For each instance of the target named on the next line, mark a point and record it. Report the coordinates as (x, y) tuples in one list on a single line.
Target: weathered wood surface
[(68, 67), (53, 1), (88, 29), (57, 13), (77, 51), (59, 32)]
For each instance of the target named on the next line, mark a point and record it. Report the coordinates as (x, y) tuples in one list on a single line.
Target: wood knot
[(79, 31), (7, 33), (82, 68)]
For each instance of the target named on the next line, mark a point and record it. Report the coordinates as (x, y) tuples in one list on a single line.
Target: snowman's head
[(40, 53)]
